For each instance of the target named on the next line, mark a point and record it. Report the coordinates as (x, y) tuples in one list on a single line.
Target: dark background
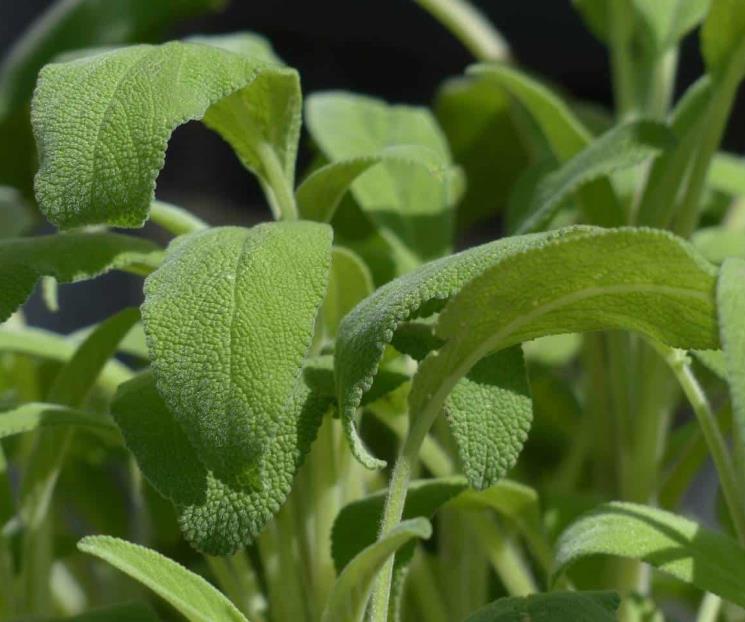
[(389, 48)]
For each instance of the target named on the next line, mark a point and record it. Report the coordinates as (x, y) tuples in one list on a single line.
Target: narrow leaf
[(35, 415), (555, 606), (229, 317), (723, 37), (709, 560), (68, 258), (188, 593), (350, 282), (351, 591)]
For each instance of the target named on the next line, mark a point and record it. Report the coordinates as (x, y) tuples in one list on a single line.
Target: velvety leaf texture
[(102, 124), (215, 515), (350, 282), (67, 257), (229, 317), (709, 560), (552, 607), (188, 593)]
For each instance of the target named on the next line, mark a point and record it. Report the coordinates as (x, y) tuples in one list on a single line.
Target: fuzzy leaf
[(723, 37), (351, 591), (403, 199), (349, 283), (102, 124), (711, 561), (620, 148), (247, 44), (216, 516), (35, 415), (731, 310), (489, 413), (68, 258), (229, 317), (552, 607), (187, 592)]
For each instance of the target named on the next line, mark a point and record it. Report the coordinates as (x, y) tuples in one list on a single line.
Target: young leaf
[(723, 37), (216, 515), (102, 124), (555, 606), (350, 282), (489, 413), (131, 612), (67, 257), (247, 44), (403, 199), (709, 560), (620, 148), (351, 591), (188, 593), (35, 415), (228, 317), (719, 243), (731, 310)]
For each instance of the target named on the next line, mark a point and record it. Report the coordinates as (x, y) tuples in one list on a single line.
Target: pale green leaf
[(552, 607), (130, 612), (15, 214), (711, 561), (719, 243), (247, 44), (67, 257), (723, 37), (620, 148), (731, 311), (351, 591), (187, 592), (35, 415), (217, 516), (350, 282), (727, 174), (102, 124), (228, 317), (403, 199)]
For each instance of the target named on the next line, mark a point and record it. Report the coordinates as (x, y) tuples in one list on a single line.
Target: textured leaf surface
[(67, 257), (35, 415), (402, 198), (216, 516), (102, 124), (489, 413), (580, 279), (723, 36), (350, 282), (351, 591), (709, 560), (620, 148), (188, 593), (229, 317), (365, 332), (552, 607), (731, 310)]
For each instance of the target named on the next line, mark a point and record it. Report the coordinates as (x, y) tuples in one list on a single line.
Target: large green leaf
[(723, 37), (216, 515), (35, 415), (67, 257), (188, 593), (351, 591), (580, 279), (404, 199), (671, 543), (102, 124), (553, 607), (229, 317), (620, 148)]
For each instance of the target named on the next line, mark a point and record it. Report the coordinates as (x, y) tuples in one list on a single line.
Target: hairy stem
[(470, 27)]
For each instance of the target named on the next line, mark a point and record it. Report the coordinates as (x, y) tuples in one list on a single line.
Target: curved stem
[(175, 220), (471, 28), (277, 189)]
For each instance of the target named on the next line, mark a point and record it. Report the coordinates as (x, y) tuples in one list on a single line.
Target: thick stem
[(471, 28), (175, 220)]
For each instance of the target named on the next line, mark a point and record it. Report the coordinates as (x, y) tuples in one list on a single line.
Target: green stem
[(661, 84), (728, 479), (175, 220), (710, 607), (277, 188), (470, 27), (237, 580), (427, 593), (621, 24)]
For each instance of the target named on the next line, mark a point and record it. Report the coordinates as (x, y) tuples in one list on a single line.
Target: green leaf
[(350, 282), (229, 317), (731, 311), (620, 148), (727, 174), (15, 214), (216, 515), (75, 24), (35, 415), (131, 612), (68, 258), (555, 606), (719, 243), (188, 593), (321, 192), (723, 37), (247, 44), (477, 118), (403, 199), (709, 560), (357, 524), (563, 131), (351, 591), (102, 124), (489, 413)]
